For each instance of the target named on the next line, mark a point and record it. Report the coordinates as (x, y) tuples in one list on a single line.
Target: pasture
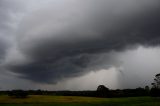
[(39, 100)]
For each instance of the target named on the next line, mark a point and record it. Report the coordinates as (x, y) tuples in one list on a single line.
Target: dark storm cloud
[(66, 42)]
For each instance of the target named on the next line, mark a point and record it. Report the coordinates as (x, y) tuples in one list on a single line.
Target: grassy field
[(78, 101)]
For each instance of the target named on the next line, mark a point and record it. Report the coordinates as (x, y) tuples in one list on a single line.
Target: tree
[(102, 88), (102, 91), (147, 89), (155, 91), (156, 83)]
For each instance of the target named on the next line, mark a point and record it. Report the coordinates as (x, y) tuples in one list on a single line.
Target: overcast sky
[(79, 44)]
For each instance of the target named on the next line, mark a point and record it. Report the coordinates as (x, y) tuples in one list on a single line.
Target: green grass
[(78, 101)]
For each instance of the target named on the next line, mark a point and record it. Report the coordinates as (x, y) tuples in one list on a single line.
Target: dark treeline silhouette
[(101, 91), (18, 93)]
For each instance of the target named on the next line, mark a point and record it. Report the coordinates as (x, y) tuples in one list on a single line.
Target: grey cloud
[(3, 49), (9, 15), (4, 27), (8, 12), (64, 41)]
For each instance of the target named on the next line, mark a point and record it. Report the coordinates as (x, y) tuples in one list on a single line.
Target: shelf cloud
[(49, 42)]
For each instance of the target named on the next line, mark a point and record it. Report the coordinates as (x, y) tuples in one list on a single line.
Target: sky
[(79, 44)]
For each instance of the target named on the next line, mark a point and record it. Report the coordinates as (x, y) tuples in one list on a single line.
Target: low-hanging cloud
[(65, 39)]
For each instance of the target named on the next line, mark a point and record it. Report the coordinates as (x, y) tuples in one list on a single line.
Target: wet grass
[(38, 100)]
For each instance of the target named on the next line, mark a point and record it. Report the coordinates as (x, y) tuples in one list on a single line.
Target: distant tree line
[(101, 91), (18, 94)]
